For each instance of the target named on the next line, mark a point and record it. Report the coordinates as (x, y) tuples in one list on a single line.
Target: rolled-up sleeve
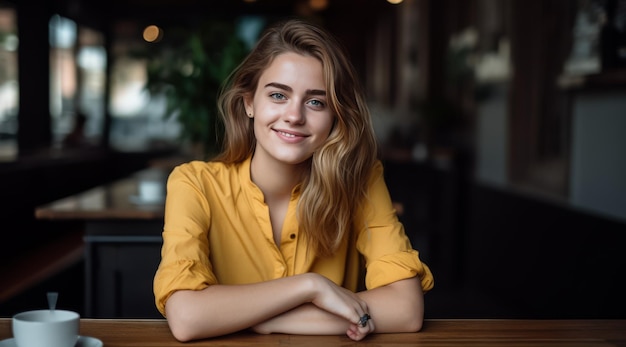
[(388, 253), (185, 253), (396, 266)]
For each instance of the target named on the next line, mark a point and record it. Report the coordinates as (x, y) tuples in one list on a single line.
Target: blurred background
[(501, 124)]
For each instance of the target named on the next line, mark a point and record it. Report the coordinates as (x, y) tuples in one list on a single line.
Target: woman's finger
[(358, 332), (364, 319)]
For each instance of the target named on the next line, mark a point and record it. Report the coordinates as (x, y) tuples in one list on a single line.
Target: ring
[(364, 319)]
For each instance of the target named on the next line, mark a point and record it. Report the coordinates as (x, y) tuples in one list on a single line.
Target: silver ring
[(363, 320)]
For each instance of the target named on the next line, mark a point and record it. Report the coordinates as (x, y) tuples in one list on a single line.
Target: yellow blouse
[(217, 230)]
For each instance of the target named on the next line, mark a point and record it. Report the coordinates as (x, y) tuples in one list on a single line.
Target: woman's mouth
[(290, 136), (285, 134)]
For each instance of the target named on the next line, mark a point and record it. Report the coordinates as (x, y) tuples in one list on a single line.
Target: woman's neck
[(275, 179)]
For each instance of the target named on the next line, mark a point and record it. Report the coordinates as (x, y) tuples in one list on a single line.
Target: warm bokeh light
[(318, 5), (152, 33), (395, 2)]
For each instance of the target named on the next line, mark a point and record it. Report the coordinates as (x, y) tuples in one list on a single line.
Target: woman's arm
[(397, 307), (222, 309)]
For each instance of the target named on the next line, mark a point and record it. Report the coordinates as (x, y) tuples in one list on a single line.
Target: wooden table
[(122, 243), (111, 201), (440, 333)]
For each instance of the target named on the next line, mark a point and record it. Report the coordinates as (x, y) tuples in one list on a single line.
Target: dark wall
[(544, 259), (498, 253)]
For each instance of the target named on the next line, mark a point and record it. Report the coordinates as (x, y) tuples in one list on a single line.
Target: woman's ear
[(247, 104)]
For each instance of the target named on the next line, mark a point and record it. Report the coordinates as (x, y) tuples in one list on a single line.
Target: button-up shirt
[(218, 231)]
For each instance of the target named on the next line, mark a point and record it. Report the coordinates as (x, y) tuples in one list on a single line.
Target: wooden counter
[(440, 333), (112, 201)]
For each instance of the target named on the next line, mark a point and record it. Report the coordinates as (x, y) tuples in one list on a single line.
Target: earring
[(249, 115)]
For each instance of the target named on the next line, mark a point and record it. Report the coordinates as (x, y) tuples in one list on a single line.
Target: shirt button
[(292, 236)]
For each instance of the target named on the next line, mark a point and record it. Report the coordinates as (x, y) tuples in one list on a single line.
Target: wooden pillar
[(34, 122), (538, 119)]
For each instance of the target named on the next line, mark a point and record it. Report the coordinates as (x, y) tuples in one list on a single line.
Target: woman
[(273, 234)]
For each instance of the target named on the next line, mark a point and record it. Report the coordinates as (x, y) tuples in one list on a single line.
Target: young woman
[(275, 234)]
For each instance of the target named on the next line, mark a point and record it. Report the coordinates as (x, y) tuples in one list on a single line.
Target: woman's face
[(291, 115)]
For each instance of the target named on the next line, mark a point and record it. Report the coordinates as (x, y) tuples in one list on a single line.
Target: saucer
[(83, 341)]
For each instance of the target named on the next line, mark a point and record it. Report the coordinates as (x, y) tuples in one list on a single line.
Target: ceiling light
[(152, 33)]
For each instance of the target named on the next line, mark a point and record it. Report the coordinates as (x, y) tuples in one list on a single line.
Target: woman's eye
[(316, 103), (278, 96)]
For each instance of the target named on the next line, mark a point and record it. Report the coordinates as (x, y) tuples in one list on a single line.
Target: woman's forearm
[(220, 309), (301, 304), (306, 319), (397, 307)]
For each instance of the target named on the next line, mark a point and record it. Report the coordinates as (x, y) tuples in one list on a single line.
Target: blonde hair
[(339, 170)]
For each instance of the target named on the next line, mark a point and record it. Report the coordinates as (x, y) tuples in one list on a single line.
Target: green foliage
[(189, 69)]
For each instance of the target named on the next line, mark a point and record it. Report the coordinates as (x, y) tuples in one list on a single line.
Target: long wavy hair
[(339, 170)]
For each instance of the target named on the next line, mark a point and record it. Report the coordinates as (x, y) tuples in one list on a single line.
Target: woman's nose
[(295, 114)]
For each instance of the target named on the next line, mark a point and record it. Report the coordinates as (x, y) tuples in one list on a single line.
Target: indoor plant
[(188, 69)]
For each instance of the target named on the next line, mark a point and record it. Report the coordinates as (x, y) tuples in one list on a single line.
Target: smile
[(290, 134), (290, 137), (286, 134)]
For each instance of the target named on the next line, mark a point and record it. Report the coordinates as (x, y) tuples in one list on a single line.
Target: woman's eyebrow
[(289, 89), (279, 86), (316, 92)]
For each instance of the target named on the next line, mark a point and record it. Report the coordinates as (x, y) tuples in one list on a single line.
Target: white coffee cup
[(151, 190), (46, 328)]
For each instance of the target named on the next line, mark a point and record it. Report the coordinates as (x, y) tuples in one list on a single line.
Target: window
[(77, 82), (9, 92), (137, 118), (92, 64)]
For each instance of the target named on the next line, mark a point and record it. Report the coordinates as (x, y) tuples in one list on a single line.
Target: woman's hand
[(343, 303), (357, 332)]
